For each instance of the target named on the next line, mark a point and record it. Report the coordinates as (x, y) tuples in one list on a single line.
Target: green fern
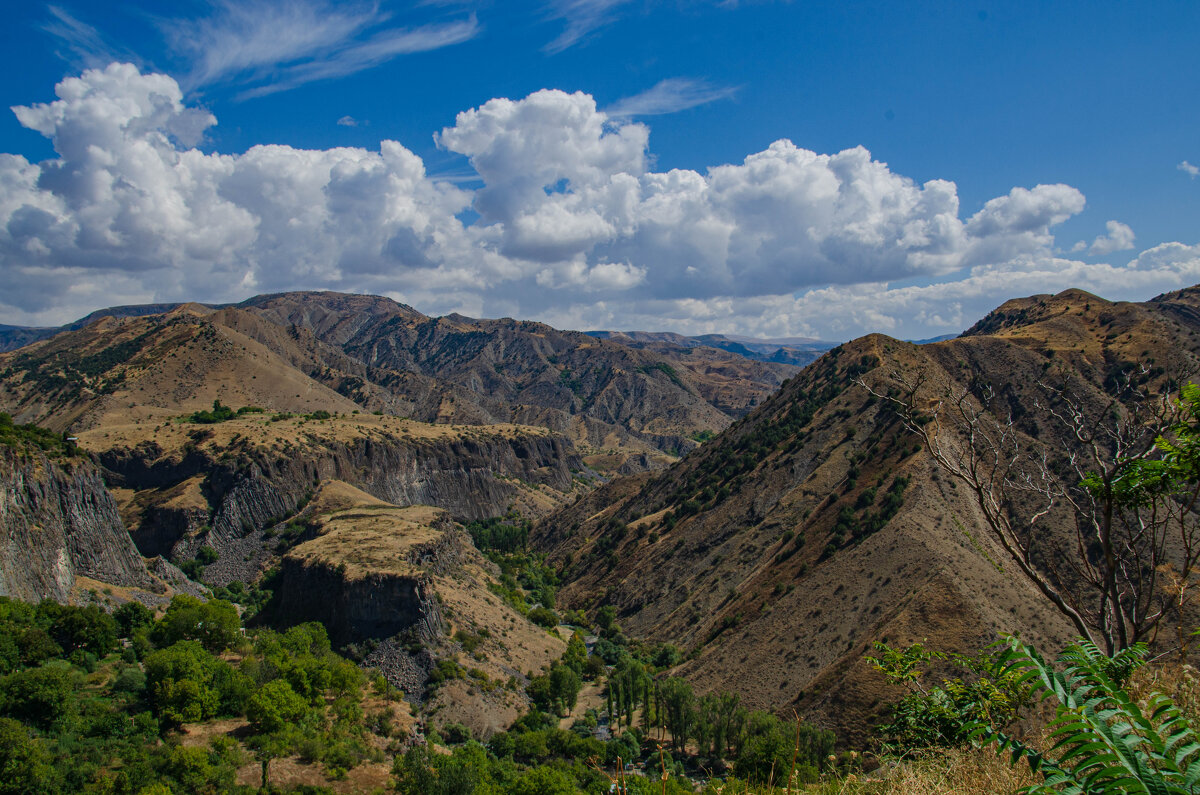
[(1103, 741)]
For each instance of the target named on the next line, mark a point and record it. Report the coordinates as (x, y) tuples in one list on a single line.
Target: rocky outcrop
[(374, 603), (57, 522), (473, 476), (377, 606)]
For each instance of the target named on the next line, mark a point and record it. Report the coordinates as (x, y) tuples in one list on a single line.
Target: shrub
[(944, 717), (39, 696), (544, 617)]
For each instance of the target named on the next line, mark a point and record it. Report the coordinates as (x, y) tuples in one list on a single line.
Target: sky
[(771, 169)]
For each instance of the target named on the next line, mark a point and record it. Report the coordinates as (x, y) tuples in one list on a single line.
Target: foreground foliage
[(1104, 740), (92, 702)]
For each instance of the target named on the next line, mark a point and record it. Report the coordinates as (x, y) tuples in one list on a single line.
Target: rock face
[(372, 607), (57, 522), (402, 584), (217, 487), (372, 604)]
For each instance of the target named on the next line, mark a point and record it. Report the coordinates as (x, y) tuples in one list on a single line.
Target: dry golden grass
[(955, 772), (373, 538), (258, 430)]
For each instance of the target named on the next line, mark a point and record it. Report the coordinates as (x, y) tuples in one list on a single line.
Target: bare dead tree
[(1136, 540)]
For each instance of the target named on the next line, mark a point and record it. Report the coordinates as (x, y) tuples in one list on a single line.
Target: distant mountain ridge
[(796, 351), (630, 406)]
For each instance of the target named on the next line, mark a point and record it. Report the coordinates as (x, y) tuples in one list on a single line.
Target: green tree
[(214, 623), (182, 681), (575, 657), (274, 707), (679, 710), (771, 745), (24, 762), (88, 628), (464, 772), (41, 697), (542, 781), (565, 685), (131, 616)]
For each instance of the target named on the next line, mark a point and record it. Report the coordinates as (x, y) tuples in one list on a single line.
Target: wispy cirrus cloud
[(80, 44), (670, 96), (272, 47), (376, 50), (582, 17)]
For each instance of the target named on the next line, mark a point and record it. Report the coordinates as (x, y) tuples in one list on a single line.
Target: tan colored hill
[(150, 370), (606, 395), (626, 409), (779, 551)]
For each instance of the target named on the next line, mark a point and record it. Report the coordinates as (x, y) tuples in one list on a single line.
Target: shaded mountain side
[(334, 318), (62, 538), (13, 337), (534, 365), (779, 551), (58, 522)]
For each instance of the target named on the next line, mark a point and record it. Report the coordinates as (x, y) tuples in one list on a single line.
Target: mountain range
[(771, 522)]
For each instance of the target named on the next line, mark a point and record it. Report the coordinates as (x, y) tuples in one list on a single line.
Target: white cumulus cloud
[(570, 223), (1119, 238)]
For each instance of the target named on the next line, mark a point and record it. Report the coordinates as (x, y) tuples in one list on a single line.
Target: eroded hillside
[(778, 552)]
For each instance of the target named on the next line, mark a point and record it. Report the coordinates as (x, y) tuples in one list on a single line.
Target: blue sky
[(765, 168)]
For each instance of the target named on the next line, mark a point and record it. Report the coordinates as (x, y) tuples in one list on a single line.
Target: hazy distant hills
[(780, 550), (797, 351)]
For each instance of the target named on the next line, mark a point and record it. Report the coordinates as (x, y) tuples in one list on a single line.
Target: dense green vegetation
[(500, 533), (25, 437), (527, 583), (93, 702), (221, 413)]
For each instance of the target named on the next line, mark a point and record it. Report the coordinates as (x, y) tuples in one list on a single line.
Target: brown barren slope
[(816, 525)]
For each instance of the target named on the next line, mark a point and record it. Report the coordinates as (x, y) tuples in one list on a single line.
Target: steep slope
[(61, 534), (781, 549), (404, 582), (59, 523)]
